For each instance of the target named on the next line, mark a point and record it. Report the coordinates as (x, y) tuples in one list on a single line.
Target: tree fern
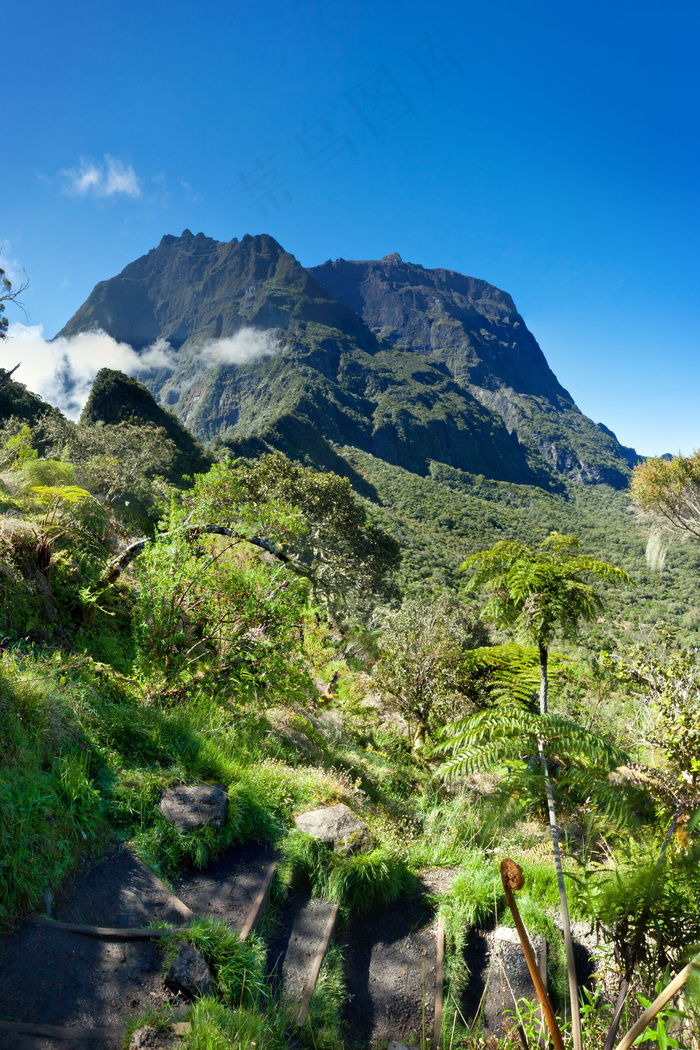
[(537, 591)]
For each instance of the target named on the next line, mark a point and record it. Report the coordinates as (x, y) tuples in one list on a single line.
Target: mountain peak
[(466, 385)]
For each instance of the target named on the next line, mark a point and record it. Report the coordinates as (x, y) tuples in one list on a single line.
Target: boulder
[(149, 1039), (190, 974), (190, 807), (338, 827), (395, 1045)]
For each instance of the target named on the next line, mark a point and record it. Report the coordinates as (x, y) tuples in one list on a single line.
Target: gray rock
[(507, 934), (149, 1039), (190, 974), (191, 807), (395, 1045), (338, 827)]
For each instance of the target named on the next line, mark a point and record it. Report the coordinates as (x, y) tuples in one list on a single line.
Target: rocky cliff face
[(413, 365), (475, 330)]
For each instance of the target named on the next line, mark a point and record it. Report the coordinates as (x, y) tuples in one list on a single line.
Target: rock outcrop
[(338, 827), (189, 973), (190, 807)]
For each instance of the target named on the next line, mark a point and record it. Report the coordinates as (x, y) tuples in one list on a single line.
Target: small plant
[(359, 883), (238, 966), (667, 1018)]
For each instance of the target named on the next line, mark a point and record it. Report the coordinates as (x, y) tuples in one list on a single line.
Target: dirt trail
[(390, 971), (49, 976)]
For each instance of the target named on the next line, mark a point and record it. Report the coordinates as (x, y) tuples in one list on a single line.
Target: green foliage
[(451, 829), (117, 462), (48, 802), (645, 902), (667, 676), (116, 398), (667, 491), (442, 518), (324, 1025), (44, 473), (659, 1034), (17, 448), (83, 752), (510, 736), (359, 883), (424, 660), (538, 591), (203, 607), (476, 892), (214, 1026), (238, 966), (348, 559)]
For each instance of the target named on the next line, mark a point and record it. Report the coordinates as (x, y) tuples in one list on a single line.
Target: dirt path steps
[(311, 932), (234, 887), (82, 989), (391, 973), (57, 978)]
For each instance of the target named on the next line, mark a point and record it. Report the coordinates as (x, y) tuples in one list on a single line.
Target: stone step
[(234, 887), (499, 976), (300, 946)]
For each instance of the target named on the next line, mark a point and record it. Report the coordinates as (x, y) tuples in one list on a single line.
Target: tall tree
[(349, 561), (539, 591), (667, 492), (424, 664)]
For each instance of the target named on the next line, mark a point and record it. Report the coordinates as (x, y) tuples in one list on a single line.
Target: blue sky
[(551, 149)]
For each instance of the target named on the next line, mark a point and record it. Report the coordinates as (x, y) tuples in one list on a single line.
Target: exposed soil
[(49, 976), (390, 973), (229, 886)]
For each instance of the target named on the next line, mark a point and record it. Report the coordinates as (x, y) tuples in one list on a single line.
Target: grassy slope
[(88, 747)]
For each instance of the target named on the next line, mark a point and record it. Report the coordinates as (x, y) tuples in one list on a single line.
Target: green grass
[(358, 883), (215, 1026), (238, 967), (324, 1027)]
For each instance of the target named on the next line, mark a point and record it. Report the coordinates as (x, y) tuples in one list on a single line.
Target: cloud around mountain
[(63, 370)]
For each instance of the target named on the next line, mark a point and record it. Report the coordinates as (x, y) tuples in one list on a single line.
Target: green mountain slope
[(442, 368), (117, 398), (442, 518), (324, 378), (475, 330), (437, 402)]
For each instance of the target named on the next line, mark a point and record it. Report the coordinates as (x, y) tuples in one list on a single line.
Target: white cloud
[(248, 344), (194, 197), (106, 179), (63, 371)]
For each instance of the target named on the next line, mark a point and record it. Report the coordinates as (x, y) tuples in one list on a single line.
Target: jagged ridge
[(412, 365)]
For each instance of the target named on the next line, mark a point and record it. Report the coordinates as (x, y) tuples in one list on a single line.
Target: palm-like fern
[(537, 591), (511, 734)]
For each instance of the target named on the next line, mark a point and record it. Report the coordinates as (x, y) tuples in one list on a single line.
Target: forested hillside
[(294, 702)]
